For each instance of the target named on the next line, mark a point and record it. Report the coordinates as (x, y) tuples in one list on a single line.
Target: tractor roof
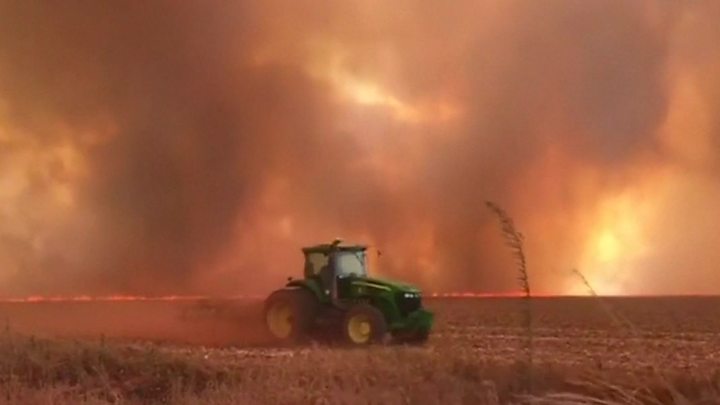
[(326, 247)]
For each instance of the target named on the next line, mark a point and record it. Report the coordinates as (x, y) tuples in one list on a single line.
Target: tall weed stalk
[(515, 240)]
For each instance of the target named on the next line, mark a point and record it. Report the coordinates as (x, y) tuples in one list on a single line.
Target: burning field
[(158, 153), (665, 350)]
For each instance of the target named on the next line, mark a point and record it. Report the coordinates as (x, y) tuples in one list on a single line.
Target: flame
[(472, 294), (38, 299), (178, 298), (118, 298), (617, 241)]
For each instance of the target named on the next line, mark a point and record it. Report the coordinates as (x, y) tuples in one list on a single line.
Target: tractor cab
[(333, 265)]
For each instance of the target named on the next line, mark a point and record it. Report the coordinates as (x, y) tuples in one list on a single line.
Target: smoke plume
[(193, 147)]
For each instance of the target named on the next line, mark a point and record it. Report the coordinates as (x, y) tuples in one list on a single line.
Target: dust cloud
[(196, 322)]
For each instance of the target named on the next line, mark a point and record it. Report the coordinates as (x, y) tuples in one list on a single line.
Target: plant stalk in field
[(514, 240)]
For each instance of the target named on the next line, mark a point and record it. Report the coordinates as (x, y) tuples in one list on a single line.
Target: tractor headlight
[(409, 301)]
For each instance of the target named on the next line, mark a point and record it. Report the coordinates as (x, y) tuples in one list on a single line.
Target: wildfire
[(213, 164), (470, 294), (177, 298), (114, 298), (617, 242)]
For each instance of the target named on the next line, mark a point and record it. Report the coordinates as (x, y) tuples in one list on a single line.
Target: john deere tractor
[(337, 295)]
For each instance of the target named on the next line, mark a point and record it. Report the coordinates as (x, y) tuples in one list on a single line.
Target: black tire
[(363, 325), (290, 314)]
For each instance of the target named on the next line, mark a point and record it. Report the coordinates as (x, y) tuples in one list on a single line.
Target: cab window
[(315, 262)]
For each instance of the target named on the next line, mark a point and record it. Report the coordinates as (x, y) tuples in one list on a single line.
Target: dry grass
[(515, 242), (598, 391), (580, 357), (54, 371), (562, 351)]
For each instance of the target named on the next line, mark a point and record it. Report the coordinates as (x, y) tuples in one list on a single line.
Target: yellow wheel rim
[(279, 320), (359, 329)]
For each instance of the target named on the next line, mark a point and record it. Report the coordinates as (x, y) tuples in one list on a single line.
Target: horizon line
[(431, 295)]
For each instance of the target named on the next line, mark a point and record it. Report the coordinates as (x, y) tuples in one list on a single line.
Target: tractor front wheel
[(363, 325)]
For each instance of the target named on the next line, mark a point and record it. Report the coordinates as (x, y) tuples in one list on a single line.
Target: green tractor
[(337, 294)]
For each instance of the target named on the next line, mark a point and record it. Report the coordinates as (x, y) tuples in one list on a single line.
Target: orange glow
[(264, 128), (118, 298), (469, 294), (618, 240), (330, 65), (177, 298), (140, 298)]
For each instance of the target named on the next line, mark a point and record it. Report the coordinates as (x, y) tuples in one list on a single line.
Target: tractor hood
[(382, 284)]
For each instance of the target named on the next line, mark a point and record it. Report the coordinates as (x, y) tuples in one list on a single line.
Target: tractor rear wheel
[(289, 314), (363, 325)]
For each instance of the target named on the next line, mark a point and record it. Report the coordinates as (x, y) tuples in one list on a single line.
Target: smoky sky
[(196, 146)]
